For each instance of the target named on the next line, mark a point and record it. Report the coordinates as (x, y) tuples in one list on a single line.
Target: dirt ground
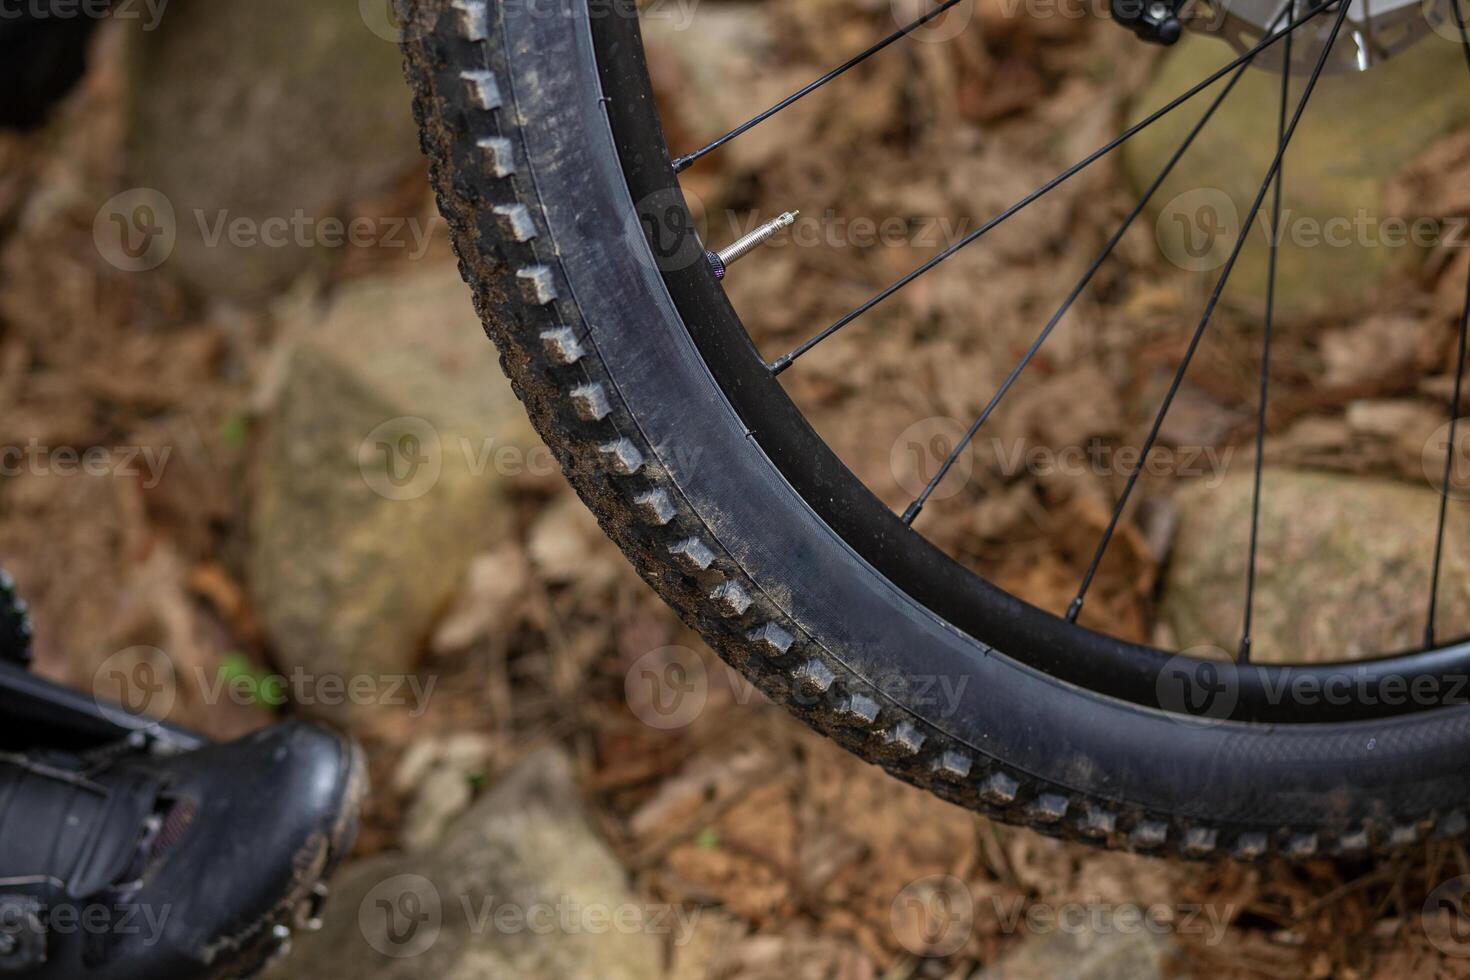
[(797, 849)]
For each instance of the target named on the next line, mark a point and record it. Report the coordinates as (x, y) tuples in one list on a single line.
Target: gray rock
[(724, 44), (438, 773), (471, 909), (1359, 131), (1087, 955), (1343, 572), (259, 111), (390, 440)]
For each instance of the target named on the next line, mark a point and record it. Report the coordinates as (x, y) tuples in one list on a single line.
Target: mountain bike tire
[(545, 150)]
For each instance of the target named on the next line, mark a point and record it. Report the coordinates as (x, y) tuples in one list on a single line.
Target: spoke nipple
[(912, 512), (780, 364), (1074, 610), (746, 244), (683, 163), (1245, 650)]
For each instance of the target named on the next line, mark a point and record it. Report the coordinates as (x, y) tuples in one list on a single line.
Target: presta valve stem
[(721, 261)]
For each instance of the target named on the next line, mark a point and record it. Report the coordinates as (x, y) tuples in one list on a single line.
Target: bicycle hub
[(1371, 33)]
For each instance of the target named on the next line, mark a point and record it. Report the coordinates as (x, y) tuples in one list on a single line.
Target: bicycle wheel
[(550, 165)]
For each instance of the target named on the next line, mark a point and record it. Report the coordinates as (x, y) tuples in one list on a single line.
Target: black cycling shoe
[(15, 624), (123, 864)]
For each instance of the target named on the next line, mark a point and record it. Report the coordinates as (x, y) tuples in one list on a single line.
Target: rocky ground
[(222, 281)]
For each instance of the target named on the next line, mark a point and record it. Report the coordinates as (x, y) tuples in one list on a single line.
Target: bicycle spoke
[(786, 360), (1449, 460), (1076, 608), (1244, 654), (684, 162), (913, 509)]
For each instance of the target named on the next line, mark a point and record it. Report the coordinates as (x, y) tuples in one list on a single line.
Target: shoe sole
[(268, 939)]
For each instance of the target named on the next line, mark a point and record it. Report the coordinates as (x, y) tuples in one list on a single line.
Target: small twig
[(1342, 891), (710, 813)]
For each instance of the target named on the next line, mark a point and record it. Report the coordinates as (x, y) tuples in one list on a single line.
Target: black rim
[(1017, 629)]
